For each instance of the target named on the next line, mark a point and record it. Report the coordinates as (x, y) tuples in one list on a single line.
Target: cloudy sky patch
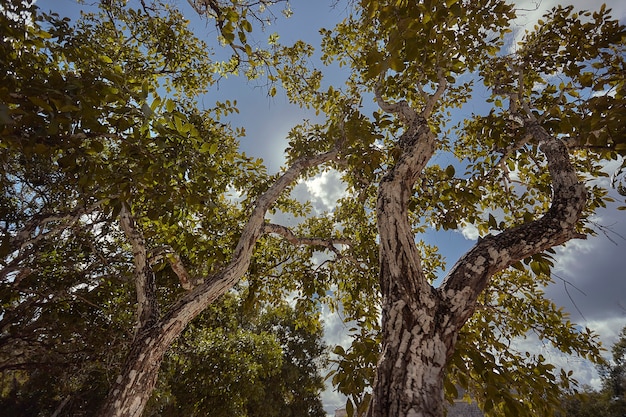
[(325, 189)]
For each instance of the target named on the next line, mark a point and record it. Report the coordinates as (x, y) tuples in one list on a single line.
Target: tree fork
[(420, 324)]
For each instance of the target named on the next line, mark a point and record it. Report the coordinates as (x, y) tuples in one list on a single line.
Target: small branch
[(606, 230), (305, 241), (434, 98), (61, 406), (179, 269), (509, 151), (65, 221), (147, 310), (41, 226), (167, 253), (567, 283)]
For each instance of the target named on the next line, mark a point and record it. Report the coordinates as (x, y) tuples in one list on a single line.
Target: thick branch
[(196, 300), (147, 311), (400, 258), (305, 241), (128, 396), (471, 274)]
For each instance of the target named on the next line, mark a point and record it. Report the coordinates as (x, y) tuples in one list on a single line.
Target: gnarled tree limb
[(470, 275), (305, 241), (130, 393)]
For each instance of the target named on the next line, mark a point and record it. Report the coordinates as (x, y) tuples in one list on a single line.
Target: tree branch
[(40, 222), (167, 253), (305, 241), (471, 274), (402, 109), (45, 226), (150, 345), (209, 289), (399, 257), (432, 100), (147, 309)]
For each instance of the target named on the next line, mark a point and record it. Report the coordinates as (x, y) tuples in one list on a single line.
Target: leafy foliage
[(85, 131), (233, 362), (99, 120)]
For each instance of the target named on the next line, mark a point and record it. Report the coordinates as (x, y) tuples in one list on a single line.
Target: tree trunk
[(417, 345), (418, 334), (137, 379), (420, 324), (133, 387)]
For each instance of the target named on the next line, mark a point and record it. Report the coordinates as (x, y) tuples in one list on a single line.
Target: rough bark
[(418, 337), (132, 388), (420, 323)]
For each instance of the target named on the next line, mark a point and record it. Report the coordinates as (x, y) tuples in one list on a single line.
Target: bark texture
[(418, 336), (420, 323)]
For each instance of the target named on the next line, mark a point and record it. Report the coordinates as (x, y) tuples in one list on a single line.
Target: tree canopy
[(127, 209)]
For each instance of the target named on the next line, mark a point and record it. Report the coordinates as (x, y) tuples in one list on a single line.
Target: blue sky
[(595, 268)]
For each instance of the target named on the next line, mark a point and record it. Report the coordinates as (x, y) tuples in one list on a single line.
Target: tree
[(237, 362), (614, 376), (232, 361), (92, 150)]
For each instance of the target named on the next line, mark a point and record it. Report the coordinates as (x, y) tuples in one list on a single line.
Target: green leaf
[(210, 148), (349, 408), (41, 103), (170, 105), (535, 266), (146, 110), (155, 104), (396, 64), (519, 266)]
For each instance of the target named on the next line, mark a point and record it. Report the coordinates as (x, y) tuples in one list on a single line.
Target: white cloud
[(326, 188), (590, 284), (586, 372), (470, 232)]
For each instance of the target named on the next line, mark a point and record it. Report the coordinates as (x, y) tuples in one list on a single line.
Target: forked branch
[(167, 253), (471, 274)]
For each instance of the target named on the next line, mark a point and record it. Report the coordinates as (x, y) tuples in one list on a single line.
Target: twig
[(302, 241)]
